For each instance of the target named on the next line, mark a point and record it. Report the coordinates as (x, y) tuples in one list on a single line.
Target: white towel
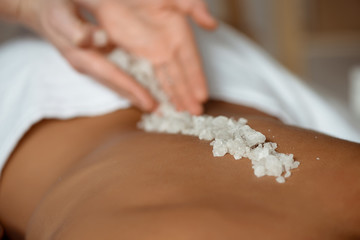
[(37, 83)]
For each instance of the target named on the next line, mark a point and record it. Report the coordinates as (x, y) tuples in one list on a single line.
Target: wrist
[(9, 9), (20, 11), (26, 12)]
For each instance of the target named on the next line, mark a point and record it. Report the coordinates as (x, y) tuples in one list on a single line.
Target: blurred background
[(318, 40)]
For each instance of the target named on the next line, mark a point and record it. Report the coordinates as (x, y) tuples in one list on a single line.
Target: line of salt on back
[(226, 134)]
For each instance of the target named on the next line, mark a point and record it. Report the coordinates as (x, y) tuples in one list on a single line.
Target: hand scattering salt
[(226, 134)]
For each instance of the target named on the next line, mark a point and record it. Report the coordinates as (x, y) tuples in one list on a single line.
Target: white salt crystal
[(273, 166), (219, 148), (251, 136), (206, 134), (100, 38), (280, 179), (295, 164), (220, 121), (259, 171), (242, 121), (229, 136), (236, 147)]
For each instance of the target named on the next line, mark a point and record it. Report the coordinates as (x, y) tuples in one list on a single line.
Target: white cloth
[(37, 83), (240, 72)]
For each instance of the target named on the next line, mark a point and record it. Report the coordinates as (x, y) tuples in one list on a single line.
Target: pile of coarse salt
[(226, 134)]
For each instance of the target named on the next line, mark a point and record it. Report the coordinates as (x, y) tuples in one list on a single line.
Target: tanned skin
[(102, 178)]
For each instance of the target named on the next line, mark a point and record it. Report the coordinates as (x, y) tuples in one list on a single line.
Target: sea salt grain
[(280, 179), (100, 38), (227, 135)]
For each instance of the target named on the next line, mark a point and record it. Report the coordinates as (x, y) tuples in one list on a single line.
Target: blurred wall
[(318, 40)]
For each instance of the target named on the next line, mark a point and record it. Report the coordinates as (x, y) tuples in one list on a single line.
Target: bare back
[(102, 178)]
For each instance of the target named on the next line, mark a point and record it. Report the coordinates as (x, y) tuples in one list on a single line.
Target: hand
[(154, 29)]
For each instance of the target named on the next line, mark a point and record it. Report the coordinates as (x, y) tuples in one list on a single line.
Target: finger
[(99, 67), (65, 20), (202, 16), (166, 84), (114, 15), (198, 10), (190, 61), (181, 89), (72, 25)]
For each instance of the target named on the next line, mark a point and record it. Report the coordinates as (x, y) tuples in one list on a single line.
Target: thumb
[(198, 10), (67, 22)]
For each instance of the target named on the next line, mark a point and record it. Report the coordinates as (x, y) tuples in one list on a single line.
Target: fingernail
[(147, 106), (201, 96), (136, 102), (211, 19), (197, 110)]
